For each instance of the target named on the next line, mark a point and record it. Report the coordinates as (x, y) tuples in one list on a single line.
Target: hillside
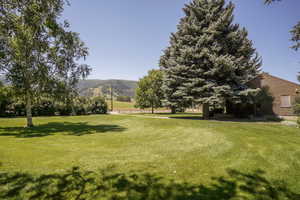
[(102, 87), (94, 87)]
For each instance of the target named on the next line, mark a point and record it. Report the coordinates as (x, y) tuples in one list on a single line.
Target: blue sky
[(126, 38)]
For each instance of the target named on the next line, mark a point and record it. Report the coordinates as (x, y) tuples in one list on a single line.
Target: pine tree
[(209, 60)]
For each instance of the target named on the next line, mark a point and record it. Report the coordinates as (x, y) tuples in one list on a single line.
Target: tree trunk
[(205, 109), (29, 110), (173, 110), (152, 109), (73, 112)]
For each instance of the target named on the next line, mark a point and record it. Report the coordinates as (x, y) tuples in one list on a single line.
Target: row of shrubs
[(48, 107)]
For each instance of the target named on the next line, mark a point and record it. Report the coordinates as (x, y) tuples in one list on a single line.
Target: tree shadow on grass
[(67, 128), (187, 117), (88, 185)]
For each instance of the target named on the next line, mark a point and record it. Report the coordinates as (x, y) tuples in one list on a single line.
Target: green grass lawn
[(129, 106), (118, 105), (182, 149)]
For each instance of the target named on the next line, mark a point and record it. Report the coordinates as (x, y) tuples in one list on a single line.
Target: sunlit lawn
[(183, 148), (118, 105), (129, 106)]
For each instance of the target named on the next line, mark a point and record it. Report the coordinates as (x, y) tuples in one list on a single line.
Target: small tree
[(36, 50), (149, 92), (209, 60)]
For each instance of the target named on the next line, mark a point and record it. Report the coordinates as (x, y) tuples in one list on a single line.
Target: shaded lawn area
[(89, 185), (262, 156), (67, 128)]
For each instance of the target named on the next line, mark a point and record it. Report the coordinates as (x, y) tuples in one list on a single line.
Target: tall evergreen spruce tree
[(210, 59)]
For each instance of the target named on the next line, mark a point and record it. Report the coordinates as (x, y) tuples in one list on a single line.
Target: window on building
[(285, 101)]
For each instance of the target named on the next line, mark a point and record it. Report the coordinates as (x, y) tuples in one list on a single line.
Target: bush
[(11, 106), (99, 106), (6, 99), (44, 108), (297, 108), (81, 109), (17, 109), (64, 109), (82, 106), (297, 105), (273, 118)]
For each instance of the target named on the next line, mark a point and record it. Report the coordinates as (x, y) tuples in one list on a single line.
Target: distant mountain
[(95, 87), (102, 87)]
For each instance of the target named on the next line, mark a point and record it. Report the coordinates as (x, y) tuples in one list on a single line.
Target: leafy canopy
[(37, 52), (149, 92)]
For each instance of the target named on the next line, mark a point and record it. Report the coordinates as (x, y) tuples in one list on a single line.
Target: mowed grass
[(118, 105), (183, 149), (129, 106)]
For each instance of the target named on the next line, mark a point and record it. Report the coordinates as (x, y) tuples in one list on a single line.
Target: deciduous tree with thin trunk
[(37, 52), (209, 59), (149, 92)]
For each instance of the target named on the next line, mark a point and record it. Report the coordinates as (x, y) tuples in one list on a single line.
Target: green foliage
[(297, 108), (17, 109), (296, 36), (297, 105), (82, 105), (6, 99), (149, 92), (39, 51), (124, 98), (44, 107), (64, 109), (270, 1), (257, 102), (99, 105), (210, 59), (12, 106)]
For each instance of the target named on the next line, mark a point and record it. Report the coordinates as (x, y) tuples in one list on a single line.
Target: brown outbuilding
[(283, 94)]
